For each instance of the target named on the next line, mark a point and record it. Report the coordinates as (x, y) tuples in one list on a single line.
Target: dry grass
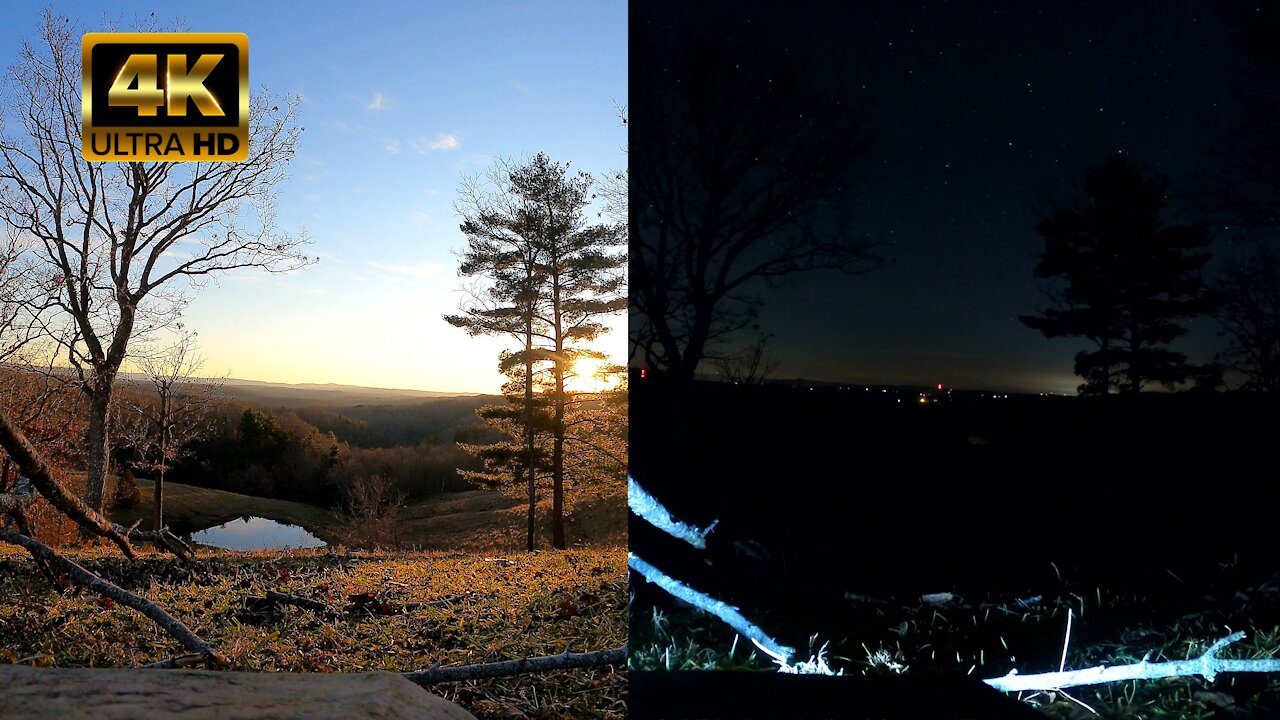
[(520, 605)]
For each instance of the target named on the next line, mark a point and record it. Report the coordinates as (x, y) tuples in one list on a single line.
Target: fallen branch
[(80, 576), (165, 540), (652, 511), (505, 668), (1207, 665), (181, 661), (299, 601), (719, 608), (18, 516), (16, 444)]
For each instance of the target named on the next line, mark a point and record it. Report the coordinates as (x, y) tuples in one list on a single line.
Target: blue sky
[(401, 100)]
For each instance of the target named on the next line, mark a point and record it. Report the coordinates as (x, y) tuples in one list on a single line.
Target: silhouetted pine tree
[(1127, 279), (583, 270)]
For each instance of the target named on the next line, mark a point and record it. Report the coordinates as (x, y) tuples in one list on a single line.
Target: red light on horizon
[(939, 386), (644, 373)]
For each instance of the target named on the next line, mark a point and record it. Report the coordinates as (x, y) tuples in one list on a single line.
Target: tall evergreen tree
[(1126, 280), (501, 221), (583, 270)]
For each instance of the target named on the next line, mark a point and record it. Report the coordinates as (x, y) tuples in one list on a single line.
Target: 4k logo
[(165, 96)]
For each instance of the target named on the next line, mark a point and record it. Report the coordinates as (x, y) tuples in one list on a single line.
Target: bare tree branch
[(80, 576)]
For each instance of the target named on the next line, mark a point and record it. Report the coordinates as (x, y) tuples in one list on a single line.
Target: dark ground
[(1164, 499)]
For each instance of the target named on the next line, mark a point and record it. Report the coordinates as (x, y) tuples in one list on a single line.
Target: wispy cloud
[(443, 141), (419, 270), (379, 102), (393, 147)]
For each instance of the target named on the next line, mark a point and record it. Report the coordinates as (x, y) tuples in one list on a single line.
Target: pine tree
[(501, 227), (583, 269), (1128, 280)]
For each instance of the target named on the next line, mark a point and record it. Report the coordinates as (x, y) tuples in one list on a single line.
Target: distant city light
[(939, 386)]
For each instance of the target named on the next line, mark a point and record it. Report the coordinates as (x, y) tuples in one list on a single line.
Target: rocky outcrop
[(129, 694)]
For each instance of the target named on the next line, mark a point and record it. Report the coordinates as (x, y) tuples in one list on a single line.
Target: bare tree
[(126, 242), (1250, 316), (177, 416), (370, 508), (1239, 189), (749, 367), (739, 181)]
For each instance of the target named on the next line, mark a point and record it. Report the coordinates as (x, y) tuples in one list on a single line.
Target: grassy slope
[(474, 519), (193, 508)]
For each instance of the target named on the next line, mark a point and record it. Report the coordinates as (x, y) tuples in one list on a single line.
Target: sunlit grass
[(517, 605)]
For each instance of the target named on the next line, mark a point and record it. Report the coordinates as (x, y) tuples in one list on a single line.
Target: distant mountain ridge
[(295, 395)]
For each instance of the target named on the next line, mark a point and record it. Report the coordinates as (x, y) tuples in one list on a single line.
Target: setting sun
[(589, 375)]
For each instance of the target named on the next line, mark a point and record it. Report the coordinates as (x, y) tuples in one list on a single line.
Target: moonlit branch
[(719, 608), (1207, 665), (648, 507)]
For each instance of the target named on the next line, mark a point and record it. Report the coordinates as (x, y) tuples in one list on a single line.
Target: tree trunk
[(557, 462), (158, 520), (557, 429), (164, 462), (1135, 373), (530, 445), (1106, 366), (96, 442), (697, 344)]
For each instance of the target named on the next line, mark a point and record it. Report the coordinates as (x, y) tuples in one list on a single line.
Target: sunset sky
[(401, 100)]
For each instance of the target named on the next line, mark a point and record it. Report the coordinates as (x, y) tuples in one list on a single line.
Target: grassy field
[(476, 520), (517, 605)]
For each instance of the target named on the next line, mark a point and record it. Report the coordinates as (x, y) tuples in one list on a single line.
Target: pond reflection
[(257, 533)]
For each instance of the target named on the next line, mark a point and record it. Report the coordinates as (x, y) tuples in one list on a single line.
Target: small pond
[(257, 533)]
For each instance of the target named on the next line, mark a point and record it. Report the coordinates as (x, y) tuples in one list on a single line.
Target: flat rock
[(28, 693)]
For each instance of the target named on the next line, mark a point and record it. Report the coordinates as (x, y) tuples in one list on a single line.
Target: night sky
[(983, 111)]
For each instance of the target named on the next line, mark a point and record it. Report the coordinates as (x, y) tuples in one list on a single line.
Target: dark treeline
[(282, 454), (385, 426)]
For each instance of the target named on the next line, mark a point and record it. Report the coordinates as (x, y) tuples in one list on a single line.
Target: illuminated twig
[(651, 510), (1207, 665), (719, 608)]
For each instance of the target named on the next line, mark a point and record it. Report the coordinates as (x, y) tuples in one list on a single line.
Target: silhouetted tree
[(1250, 315), (523, 457), (583, 276), (108, 232), (738, 179), (176, 417), (1239, 190), (750, 367), (502, 223), (1126, 279)]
